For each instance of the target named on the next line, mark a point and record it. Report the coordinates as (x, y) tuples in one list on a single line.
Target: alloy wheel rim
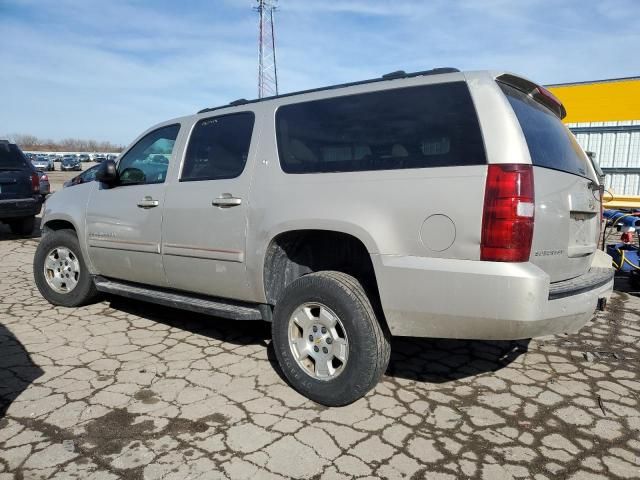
[(62, 270), (318, 341)]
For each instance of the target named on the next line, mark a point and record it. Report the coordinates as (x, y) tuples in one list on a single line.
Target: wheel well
[(293, 254), (54, 225)]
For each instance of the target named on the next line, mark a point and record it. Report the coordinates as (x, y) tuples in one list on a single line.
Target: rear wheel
[(327, 339), (22, 226), (60, 272)]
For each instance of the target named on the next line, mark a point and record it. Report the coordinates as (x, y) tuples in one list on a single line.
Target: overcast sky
[(108, 69)]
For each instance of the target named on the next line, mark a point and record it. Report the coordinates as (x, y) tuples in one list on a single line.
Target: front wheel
[(328, 341), (60, 272)]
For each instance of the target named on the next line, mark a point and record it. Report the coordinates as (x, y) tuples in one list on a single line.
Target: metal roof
[(588, 82)]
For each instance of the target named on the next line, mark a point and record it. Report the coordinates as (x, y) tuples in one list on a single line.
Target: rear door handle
[(148, 202), (226, 200)]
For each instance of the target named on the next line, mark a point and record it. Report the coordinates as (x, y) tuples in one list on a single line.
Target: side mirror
[(107, 172)]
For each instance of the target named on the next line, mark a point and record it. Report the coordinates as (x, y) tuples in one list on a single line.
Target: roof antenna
[(267, 71)]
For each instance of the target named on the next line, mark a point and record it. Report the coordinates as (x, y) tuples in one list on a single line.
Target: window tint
[(11, 158), (148, 160), (417, 127), (218, 147), (550, 143)]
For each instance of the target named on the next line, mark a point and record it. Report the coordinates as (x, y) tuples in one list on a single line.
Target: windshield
[(551, 144)]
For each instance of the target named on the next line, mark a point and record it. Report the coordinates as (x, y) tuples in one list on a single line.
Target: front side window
[(414, 127), (148, 161), (218, 148)]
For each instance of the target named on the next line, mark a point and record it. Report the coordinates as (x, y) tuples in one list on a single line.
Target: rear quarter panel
[(386, 210)]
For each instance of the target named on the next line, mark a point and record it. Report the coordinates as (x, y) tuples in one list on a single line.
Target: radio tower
[(267, 72)]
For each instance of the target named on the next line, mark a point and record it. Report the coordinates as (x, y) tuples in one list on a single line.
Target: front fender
[(69, 205)]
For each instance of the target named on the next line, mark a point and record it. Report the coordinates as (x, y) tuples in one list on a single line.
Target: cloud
[(109, 70)]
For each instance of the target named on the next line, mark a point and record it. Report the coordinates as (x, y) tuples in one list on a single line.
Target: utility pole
[(267, 71)]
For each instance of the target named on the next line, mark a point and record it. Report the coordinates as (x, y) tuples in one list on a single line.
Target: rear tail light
[(507, 221), (35, 183)]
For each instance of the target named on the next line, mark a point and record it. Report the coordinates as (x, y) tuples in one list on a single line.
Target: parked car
[(45, 186), (433, 204), (20, 196), (70, 163), (99, 158), (89, 175), (41, 162), (84, 157)]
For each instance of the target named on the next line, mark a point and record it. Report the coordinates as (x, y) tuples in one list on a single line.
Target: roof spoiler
[(537, 92)]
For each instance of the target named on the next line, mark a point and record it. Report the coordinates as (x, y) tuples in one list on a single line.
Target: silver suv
[(437, 203)]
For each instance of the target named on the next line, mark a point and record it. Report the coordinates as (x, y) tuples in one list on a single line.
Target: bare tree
[(31, 142)]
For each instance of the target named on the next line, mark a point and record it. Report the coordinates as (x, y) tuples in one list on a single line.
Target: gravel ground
[(130, 390)]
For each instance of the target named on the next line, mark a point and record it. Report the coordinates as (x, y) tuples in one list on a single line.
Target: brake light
[(35, 183), (549, 96), (507, 221)]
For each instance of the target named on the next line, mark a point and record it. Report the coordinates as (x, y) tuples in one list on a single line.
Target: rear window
[(416, 127), (551, 144), (11, 158)]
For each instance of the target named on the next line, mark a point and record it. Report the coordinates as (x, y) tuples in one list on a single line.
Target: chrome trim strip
[(131, 245), (180, 250)]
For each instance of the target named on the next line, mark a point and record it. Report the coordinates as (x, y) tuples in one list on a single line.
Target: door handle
[(226, 200), (148, 202)]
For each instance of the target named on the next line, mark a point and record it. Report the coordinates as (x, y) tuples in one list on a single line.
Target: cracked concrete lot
[(129, 390)]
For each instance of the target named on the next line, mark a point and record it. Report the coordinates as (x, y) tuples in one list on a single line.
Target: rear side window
[(218, 147), (11, 158), (416, 127), (551, 144)]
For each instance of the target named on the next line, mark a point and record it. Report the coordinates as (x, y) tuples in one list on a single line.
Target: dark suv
[(20, 199)]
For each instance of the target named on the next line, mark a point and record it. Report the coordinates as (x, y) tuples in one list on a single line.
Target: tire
[(23, 226), (84, 291), (368, 344)]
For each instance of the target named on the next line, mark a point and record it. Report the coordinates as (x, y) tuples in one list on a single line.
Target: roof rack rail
[(389, 76), (396, 74)]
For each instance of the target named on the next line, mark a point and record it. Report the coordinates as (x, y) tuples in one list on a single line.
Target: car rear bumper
[(432, 297), (20, 207)]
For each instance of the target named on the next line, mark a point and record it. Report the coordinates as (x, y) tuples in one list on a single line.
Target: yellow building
[(605, 117)]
